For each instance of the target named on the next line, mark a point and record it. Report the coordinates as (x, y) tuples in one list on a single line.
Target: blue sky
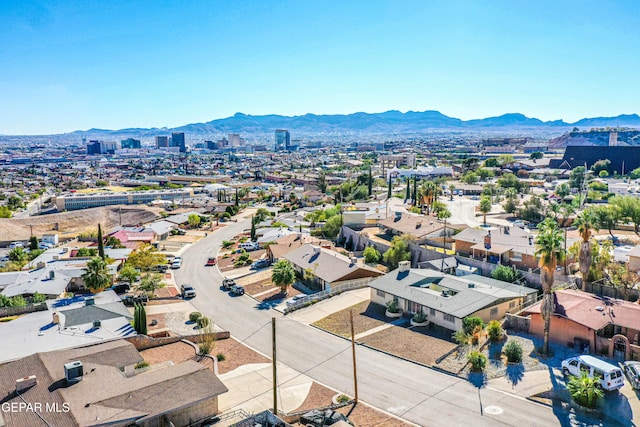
[(69, 65)]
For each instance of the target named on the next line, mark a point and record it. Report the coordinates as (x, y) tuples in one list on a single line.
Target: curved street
[(418, 394)]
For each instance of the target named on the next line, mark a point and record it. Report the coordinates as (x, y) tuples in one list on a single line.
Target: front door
[(619, 348)]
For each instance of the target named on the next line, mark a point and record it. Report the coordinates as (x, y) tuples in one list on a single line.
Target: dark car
[(227, 284), (161, 268), (236, 290), (261, 263), (131, 300), (121, 288)]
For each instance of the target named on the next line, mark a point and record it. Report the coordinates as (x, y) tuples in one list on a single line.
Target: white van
[(14, 245), (610, 376), (249, 246)]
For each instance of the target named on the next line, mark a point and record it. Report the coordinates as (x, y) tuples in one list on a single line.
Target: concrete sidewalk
[(250, 388), (329, 306)]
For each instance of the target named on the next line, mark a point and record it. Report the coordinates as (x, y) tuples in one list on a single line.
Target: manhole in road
[(493, 410)]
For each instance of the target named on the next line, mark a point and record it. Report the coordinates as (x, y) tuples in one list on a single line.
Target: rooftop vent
[(90, 301), (97, 324), (472, 285), (316, 249), (52, 275), (73, 372), (23, 384), (600, 308)]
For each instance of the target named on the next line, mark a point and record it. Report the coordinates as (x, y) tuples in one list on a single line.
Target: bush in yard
[(202, 322), (477, 360), (494, 330), (470, 324), (504, 273), (392, 306), (194, 316), (585, 390), (419, 318), (513, 351), (461, 337), (220, 357)]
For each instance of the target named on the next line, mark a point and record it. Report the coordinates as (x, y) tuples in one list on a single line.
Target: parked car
[(211, 261), (14, 245), (475, 198), (609, 376), (261, 263), (294, 300), (632, 369), (187, 291), (44, 245), (161, 268), (519, 223), (176, 263), (130, 300), (237, 290), (121, 288), (249, 246), (228, 284)]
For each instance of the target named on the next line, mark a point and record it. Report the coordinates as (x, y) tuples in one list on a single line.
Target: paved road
[(418, 394)]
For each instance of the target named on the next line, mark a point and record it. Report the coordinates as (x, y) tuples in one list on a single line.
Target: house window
[(380, 293), (432, 311), (449, 318), (512, 304), (494, 311)]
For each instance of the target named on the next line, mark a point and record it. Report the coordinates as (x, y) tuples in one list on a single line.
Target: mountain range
[(388, 122)]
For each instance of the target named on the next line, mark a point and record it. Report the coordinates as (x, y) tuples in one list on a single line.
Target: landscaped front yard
[(366, 316)]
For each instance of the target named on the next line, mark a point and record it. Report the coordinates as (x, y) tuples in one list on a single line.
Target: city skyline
[(81, 65)]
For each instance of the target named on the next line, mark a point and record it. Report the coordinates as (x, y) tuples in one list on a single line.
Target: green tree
[(477, 360), (563, 190), (96, 277), (399, 251), (585, 389), (145, 258), (536, 155), (607, 217), (635, 174), (504, 273), (14, 202), (629, 208), (509, 180), (576, 177), (253, 229), (485, 207), (505, 159), (389, 188), (322, 181), (494, 331), (371, 255), (491, 162), (100, 243), (194, 220), (513, 351), (128, 274), (443, 215), (601, 165), (113, 242), (370, 183), (18, 255), (332, 226), (549, 250), (140, 319), (150, 283), (33, 243), (5, 212), (283, 275)]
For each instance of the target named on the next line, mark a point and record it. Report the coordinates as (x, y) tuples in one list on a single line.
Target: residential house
[(291, 242), (66, 322), (634, 259), (604, 325), (445, 299), (322, 268), (419, 228), (98, 385), (502, 244)]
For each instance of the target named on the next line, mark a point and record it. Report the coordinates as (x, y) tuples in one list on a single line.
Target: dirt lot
[(360, 415), (70, 224), (409, 344), (366, 316), (234, 352), (226, 264)]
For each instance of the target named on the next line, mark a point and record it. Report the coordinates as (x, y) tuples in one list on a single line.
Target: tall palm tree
[(97, 277), (549, 248), (283, 275), (485, 207), (586, 222), (443, 215)]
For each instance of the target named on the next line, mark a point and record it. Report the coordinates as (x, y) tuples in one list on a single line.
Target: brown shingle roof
[(418, 227)]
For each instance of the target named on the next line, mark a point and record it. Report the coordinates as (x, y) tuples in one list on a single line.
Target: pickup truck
[(187, 291)]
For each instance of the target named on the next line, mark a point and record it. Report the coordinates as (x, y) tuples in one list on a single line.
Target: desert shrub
[(513, 351), (392, 306), (477, 360), (419, 318), (202, 322), (461, 337), (494, 330), (585, 390), (194, 316), (220, 357), (470, 323), (141, 365), (343, 398)]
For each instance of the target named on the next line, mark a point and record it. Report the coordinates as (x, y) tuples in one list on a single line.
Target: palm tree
[(485, 207), (586, 222), (549, 248), (97, 277), (283, 275), (566, 210)]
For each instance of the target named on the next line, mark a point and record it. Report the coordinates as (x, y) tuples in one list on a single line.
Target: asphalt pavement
[(421, 395)]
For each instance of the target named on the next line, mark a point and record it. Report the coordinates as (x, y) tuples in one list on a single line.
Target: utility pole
[(353, 352), (275, 376)]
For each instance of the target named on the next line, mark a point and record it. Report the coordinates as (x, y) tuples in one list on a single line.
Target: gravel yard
[(409, 344), (366, 316)]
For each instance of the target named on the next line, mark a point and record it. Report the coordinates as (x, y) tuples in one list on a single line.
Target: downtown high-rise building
[(283, 140), (162, 141), (177, 140)]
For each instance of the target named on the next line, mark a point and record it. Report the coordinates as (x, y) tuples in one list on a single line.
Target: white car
[(176, 263)]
